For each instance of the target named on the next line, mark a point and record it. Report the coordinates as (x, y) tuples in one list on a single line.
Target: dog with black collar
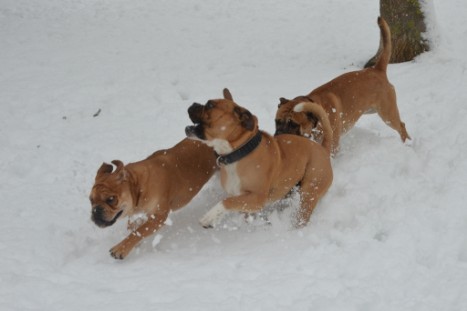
[(255, 167)]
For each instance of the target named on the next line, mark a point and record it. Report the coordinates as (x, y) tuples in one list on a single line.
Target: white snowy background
[(391, 233)]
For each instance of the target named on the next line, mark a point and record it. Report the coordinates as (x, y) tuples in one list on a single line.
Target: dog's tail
[(385, 45), (320, 113)]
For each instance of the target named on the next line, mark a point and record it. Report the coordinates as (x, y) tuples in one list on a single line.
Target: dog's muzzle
[(195, 113), (98, 217)]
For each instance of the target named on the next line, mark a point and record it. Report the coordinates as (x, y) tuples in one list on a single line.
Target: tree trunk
[(407, 22)]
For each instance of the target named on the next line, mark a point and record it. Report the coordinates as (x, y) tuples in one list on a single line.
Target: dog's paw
[(121, 250), (213, 217)]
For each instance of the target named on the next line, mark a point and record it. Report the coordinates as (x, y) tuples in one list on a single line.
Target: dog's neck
[(134, 187), (236, 139), (232, 156)]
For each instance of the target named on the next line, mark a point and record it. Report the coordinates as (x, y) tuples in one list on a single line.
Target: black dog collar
[(241, 152)]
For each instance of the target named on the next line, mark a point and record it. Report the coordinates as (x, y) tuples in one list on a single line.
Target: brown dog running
[(344, 100), (255, 167), (167, 180)]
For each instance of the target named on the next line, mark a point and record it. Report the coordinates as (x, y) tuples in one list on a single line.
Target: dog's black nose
[(194, 107), (195, 131), (97, 216), (97, 211), (195, 112)]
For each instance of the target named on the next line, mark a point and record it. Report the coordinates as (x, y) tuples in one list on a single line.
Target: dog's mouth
[(195, 131), (102, 223)]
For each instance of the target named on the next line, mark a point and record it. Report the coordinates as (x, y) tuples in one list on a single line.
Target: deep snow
[(391, 234)]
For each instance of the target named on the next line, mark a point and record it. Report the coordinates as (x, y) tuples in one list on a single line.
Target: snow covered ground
[(391, 234)]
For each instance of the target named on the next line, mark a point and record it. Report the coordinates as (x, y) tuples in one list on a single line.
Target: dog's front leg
[(248, 203), (135, 224), (154, 222)]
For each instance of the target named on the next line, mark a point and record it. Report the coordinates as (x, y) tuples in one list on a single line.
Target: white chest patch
[(232, 182), (221, 146)]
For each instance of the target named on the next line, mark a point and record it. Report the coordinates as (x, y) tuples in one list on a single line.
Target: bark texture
[(407, 23)]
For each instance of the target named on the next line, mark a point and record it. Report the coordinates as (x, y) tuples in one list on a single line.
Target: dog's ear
[(227, 94), (282, 101), (104, 169), (247, 120), (120, 170), (118, 164)]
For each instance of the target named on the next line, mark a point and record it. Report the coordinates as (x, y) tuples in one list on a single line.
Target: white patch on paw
[(214, 216)]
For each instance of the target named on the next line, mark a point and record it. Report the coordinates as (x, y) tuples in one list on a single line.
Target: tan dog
[(167, 180), (344, 100), (255, 167)]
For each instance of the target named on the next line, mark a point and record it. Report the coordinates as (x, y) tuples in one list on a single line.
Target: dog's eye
[(209, 105), (110, 200), (279, 122)]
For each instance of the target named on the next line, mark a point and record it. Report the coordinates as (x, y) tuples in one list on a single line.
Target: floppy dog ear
[(282, 101), (247, 120), (227, 94), (104, 169), (120, 170)]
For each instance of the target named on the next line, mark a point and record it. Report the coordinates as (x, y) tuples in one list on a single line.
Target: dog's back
[(187, 156), (177, 173)]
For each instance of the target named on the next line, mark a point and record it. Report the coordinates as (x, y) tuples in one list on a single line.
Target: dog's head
[(220, 121), (110, 196), (302, 123)]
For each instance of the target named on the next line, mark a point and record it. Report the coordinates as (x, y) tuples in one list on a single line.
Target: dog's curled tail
[(319, 112), (385, 45)]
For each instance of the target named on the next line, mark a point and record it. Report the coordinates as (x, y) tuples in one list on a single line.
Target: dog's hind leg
[(313, 187), (390, 115)]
